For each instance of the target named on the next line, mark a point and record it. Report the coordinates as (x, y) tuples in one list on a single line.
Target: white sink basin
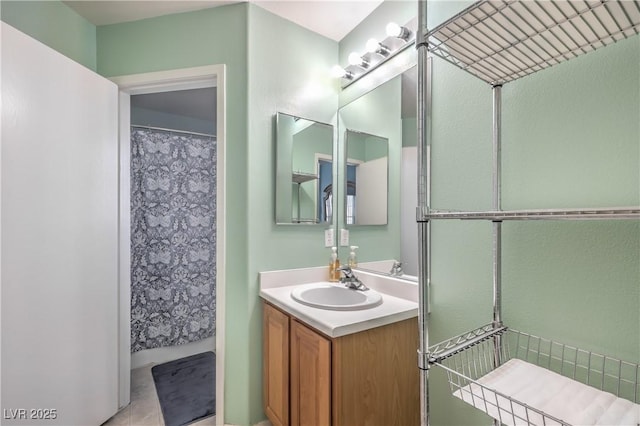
[(336, 297)]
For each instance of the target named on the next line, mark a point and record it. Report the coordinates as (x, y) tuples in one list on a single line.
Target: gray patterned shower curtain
[(173, 238)]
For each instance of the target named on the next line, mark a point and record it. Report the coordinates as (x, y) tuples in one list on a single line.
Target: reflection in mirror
[(409, 174), (374, 116), (389, 110), (366, 181), (304, 171)]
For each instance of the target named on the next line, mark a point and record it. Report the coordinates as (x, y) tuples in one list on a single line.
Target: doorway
[(164, 83)]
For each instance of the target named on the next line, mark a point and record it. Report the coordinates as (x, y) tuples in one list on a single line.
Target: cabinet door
[(310, 377), (375, 378), (276, 365)]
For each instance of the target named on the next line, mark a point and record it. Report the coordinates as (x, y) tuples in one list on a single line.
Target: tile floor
[(144, 409)]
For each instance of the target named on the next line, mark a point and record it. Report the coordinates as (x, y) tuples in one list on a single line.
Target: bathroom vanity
[(340, 368)]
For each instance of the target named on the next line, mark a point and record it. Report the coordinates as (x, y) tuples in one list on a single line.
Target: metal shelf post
[(424, 201), (497, 225)]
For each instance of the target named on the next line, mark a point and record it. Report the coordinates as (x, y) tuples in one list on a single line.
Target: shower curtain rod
[(174, 131)]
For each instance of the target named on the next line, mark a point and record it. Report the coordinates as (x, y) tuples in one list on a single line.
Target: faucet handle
[(396, 269), (347, 271)]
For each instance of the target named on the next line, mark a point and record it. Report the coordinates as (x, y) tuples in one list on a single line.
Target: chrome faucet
[(350, 280), (396, 269)]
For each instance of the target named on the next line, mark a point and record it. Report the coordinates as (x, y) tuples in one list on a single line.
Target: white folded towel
[(549, 392)]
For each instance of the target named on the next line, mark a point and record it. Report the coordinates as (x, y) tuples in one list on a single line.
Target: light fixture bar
[(395, 30), (376, 53), (374, 46), (358, 60)]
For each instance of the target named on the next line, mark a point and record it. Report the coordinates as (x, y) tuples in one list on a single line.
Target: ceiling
[(331, 18), (194, 103)]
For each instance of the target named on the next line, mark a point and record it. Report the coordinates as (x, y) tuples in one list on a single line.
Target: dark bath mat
[(186, 388)]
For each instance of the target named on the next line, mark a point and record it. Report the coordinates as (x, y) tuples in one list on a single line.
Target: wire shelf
[(302, 177), (549, 214), (502, 40), (462, 342), (506, 393)]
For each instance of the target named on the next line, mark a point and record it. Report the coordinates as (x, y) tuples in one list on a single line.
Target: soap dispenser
[(334, 265), (353, 260)]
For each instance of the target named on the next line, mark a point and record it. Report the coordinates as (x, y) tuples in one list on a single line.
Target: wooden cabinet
[(310, 377), (376, 376), (368, 378), (275, 328)]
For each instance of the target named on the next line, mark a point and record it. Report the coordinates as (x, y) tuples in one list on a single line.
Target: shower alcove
[(172, 114)]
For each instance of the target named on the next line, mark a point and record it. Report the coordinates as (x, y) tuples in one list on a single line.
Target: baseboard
[(160, 355)]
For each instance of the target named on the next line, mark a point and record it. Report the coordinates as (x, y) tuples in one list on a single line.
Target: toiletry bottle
[(334, 264), (353, 260), (336, 271)]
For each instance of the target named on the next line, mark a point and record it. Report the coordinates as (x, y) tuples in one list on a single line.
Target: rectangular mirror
[(370, 128), (367, 176), (386, 113), (304, 171)]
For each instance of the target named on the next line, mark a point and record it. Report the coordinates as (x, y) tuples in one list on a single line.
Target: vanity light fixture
[(359, 61), (338, 72), (377, 52), (373, 46), (395, 30)]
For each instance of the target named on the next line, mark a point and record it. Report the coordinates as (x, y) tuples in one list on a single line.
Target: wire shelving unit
[(547, 214), (499, 41), (561, 378)]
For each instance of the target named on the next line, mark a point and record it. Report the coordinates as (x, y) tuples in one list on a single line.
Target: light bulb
[(395, 30), (338, 72), (372, 45), (357, 60)]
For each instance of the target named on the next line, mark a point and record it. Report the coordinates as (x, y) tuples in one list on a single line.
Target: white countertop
[(399, 301)]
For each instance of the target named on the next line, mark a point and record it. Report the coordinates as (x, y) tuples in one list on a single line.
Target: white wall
[(371, 192), (409, 201)]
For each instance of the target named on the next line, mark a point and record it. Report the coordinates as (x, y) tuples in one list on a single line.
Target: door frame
[(153, 82)]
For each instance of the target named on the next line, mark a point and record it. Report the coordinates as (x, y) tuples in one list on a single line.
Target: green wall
[(314, 139), (56, 25), (206, 37), (571, 138), (365, 147), (297, 83)]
